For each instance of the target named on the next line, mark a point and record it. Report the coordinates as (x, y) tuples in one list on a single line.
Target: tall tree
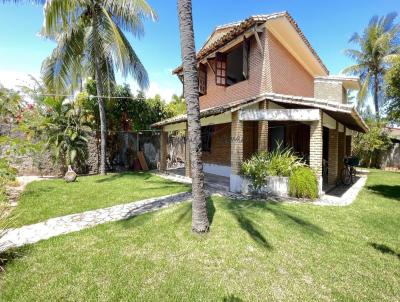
[(393, 92), (90, 40), (200, 223), (378, 47)]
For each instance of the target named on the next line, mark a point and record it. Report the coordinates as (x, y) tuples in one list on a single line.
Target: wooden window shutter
[(246, 56), (202, 79), (220, 69)]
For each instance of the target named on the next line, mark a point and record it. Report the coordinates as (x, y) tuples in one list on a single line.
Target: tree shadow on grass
[(186, 211), (231, 298), (388, 191), (243, 210), (306, 226), (246, 224), (111, 178), (384, 249), (9, 256)]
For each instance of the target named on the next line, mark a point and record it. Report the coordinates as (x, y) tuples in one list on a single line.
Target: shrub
[(303, 183), (280, 162), (7, 172)]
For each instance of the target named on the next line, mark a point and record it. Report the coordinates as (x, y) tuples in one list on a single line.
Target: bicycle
[(349, 171)]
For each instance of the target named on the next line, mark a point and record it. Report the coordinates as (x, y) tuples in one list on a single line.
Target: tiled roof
[(344, 113), (239, 28)]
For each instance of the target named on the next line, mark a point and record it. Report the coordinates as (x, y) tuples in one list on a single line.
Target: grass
[(45, 199), (255, 251)]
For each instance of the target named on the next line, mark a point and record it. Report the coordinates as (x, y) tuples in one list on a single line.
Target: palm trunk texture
[(200, 223), (102, 111)]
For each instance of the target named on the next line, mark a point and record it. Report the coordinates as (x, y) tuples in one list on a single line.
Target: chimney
[(335, 88)]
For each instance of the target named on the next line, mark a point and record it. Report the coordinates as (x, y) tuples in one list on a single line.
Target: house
[(262, 84)]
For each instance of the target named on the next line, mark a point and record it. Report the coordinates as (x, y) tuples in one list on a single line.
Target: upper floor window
[(233, 67)]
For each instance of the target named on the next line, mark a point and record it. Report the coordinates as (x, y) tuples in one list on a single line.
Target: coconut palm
[(90, 41), (378, 47), (200, 223)]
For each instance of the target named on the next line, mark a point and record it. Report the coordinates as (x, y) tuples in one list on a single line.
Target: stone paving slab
[(75, 222), (342, 196)]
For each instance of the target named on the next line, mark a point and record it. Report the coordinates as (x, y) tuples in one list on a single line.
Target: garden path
[(75, 222)]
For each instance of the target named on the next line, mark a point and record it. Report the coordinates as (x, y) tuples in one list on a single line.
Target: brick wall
[(236, 144), (263, 130), (316, 142), (333, 156), (287, 74), (274, 71), (330, 90), (348, 145), (341, 151), (219, 95), (250, 139), (220, 153)]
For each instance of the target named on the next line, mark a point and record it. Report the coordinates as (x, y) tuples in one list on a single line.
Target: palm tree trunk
[(99, 87), (200, 223), (376, 100)]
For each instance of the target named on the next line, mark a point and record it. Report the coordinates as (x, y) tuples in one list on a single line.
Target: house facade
[(262, 86)]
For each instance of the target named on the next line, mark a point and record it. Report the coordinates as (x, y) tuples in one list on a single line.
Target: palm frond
[(125, 57), (130, 14), (354, 54)]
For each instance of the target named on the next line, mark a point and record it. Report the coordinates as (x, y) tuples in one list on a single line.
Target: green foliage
[(378, 46), (63, 124), (303, 183), (177, 106), (128, 112), (393, 92), (280, 162), (368, 146), (7, 172), (91, 39)]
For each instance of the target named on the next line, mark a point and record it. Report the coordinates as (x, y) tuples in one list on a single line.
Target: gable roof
[(227, 33)]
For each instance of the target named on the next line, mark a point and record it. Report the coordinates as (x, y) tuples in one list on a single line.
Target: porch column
[(316, 141), (236, 152), (333, 157), (341, 150), (163, 150), (348, 145), (187, 154), (263, 130)]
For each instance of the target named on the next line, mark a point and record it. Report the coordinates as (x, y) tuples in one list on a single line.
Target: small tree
[(393, 92), (368, 146)]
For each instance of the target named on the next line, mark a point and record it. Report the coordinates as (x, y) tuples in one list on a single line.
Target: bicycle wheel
[(346, 176)]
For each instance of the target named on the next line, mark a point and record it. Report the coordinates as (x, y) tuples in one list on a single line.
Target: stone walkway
[(342, 196), (72, 223)]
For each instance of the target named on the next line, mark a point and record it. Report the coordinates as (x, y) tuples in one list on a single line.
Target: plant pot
[(70, 176)]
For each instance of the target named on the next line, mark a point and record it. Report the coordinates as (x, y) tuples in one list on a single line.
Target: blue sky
[(327, 24)]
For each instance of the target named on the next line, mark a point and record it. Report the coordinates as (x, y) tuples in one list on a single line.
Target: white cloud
[(165, 92), (12, 79)]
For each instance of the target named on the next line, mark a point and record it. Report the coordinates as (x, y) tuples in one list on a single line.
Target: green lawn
[(51, 198), (255, 251)]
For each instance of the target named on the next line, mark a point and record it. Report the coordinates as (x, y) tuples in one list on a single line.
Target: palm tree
[(200, 223), (90, 41), (378, 47)]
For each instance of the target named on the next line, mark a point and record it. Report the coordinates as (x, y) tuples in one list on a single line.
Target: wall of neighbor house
[(220, 153), (287, 74), (219, 95)]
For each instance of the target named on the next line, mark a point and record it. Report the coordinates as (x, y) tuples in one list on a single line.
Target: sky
[(328, 25)]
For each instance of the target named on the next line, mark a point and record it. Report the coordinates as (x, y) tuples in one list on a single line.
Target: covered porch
[(319, 132)]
